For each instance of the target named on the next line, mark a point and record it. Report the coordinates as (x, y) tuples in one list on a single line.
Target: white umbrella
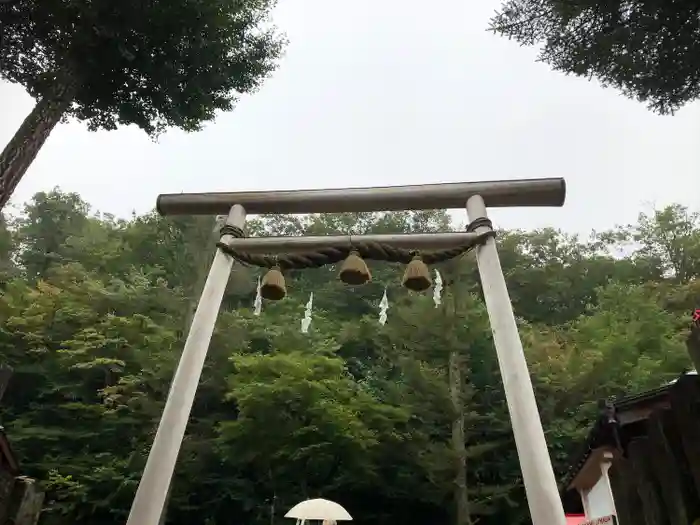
[(318, 509)]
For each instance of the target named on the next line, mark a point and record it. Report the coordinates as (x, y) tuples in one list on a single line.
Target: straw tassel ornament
[(273, 286), (417, 275), (354, 270)]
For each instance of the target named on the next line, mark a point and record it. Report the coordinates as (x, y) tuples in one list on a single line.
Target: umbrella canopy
[(318, 509)]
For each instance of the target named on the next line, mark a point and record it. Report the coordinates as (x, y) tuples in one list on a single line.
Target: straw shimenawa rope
[(335, 254)]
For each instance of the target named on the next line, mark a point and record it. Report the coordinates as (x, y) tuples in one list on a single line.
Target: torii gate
[(538, 476)]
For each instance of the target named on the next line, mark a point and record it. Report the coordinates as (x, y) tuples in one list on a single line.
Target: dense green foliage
[(152, 64), (92, 316), (647, 49)]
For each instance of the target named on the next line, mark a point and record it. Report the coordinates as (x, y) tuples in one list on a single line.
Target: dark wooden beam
[(624, 488), (666, 461), (685, 407), (647, 485)]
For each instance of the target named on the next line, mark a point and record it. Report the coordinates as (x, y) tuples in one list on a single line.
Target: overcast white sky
[(391, 92)]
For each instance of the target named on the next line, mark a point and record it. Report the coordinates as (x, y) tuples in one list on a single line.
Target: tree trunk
[(458, 445), (24, 146), (461, 497)]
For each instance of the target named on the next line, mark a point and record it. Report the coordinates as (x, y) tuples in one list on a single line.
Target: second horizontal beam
[(406, 241)]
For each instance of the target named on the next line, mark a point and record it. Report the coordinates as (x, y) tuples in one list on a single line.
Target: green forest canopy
[(92, 315)]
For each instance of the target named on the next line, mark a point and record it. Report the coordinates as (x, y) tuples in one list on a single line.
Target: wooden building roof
[(619, 422)]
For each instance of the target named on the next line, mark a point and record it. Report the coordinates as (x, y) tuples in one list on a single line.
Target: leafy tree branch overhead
[(151, 64), (646, 49)]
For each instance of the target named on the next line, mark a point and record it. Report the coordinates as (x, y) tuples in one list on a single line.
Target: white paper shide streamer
[(383, 307), (306, 321), (437, 299), (257, 305)]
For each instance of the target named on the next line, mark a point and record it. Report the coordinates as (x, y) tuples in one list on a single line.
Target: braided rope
[(335, 254)]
